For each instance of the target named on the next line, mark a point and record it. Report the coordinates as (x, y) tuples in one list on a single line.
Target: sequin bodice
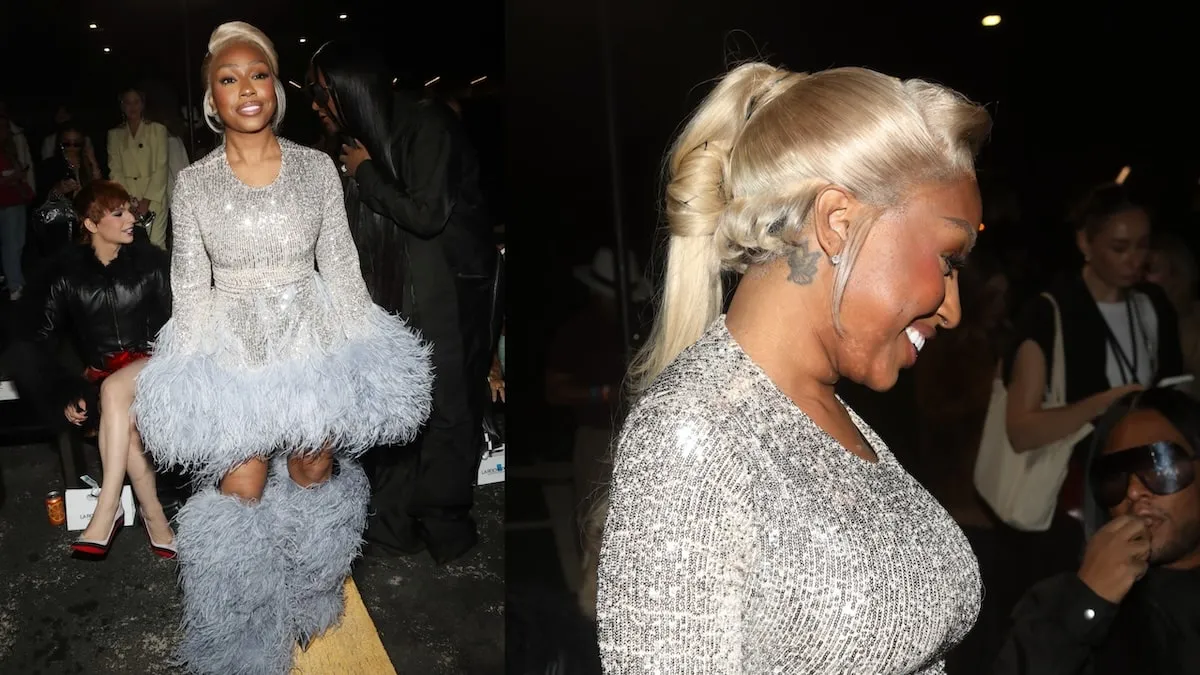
[(244, 260), (742, 538)]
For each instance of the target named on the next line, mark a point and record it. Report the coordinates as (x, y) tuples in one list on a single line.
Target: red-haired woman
[(108, 295)]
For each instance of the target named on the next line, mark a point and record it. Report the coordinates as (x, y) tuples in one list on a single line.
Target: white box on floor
[(491, 467), (81, 503)]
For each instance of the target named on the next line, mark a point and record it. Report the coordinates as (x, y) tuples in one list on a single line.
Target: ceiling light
[(1123, 175), (343, 17), (303, 40), (93, 26), (395, 80), (991, 20), (982, 227), (433, 81), (478, 80), (107, 50)]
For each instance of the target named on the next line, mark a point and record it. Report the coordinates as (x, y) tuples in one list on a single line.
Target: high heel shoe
[(99, 547), (166, 551)]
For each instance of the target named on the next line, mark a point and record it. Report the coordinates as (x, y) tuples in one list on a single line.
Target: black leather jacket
[(100, 309), (105, 309)]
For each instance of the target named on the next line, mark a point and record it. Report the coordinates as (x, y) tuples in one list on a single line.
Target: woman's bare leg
[(247, 480), (116, 397), (141, 477), (230, 560), (310, 469)]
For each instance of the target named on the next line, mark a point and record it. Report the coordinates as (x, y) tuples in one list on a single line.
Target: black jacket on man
[(425, 246), (1061, 627)]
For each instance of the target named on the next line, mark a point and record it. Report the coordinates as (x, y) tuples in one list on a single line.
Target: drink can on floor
[(56, 508)]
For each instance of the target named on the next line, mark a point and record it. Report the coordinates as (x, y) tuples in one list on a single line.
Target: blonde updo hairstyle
[(745, 172), (240, 32)]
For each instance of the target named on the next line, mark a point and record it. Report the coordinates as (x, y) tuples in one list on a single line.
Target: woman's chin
[(247, 125)]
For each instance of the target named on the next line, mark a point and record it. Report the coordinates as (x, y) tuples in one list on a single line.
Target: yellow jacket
[(139, 163)]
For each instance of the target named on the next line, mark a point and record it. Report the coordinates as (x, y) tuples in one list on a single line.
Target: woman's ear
[(831, 219), (1084, 243)]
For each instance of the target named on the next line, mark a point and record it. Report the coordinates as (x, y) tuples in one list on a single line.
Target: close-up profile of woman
[(755, 523), (274, 373)]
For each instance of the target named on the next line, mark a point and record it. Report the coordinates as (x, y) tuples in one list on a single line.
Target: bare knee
[(246, 481), (116, 393), (310, 469)]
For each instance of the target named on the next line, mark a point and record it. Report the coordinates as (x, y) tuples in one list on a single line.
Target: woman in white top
[(1119, 335)]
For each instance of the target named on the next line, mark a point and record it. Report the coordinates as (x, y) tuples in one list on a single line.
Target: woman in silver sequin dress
[(756, 524), (270, 378)]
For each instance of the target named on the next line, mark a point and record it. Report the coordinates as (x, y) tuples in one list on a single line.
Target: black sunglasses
[(1163, 467), (72, 144), (317, 92)]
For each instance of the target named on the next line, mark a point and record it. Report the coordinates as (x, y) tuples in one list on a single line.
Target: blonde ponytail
[(696, 199)]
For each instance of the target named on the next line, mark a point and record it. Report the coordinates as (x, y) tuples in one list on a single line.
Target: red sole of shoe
[(165, 555), (89, 550)]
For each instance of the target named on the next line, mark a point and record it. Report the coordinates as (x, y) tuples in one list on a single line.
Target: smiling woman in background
[(108, 295)]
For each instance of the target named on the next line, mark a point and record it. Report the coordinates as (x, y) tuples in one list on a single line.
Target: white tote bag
[(1022, 488), (81, 504)]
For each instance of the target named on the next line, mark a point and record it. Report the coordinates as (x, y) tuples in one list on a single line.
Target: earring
[(835, 259)]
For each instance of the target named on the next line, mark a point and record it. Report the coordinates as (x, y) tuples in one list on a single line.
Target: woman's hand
[(67, 187), (1107, 398), (76, 413), (352, 157), (496, 381)]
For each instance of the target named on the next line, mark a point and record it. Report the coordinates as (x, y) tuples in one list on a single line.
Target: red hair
[(97, 199)]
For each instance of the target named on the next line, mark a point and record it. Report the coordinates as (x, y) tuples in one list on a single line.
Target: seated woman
[(61, 176), (109, 295)]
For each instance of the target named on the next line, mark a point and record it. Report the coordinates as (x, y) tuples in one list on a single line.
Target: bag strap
[(1058, 368)]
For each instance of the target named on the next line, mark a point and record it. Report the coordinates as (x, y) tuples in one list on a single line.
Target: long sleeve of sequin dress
[(670, 599), (274, 344)]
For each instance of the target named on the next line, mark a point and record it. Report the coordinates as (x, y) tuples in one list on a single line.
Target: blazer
[(139, 163)]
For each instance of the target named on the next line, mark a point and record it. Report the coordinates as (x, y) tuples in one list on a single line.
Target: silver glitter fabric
[(274, 343), (742, 538)]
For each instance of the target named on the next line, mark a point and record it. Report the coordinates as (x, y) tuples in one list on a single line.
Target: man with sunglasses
[(1134, 604)]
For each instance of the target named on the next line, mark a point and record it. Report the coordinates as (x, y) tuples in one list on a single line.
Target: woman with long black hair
[(62, 176), (426, 248)]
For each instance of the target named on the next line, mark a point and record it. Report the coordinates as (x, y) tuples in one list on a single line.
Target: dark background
[(1075, 92), (51, 57)]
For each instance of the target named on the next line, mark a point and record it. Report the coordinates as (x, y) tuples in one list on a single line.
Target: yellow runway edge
[(350, 648)]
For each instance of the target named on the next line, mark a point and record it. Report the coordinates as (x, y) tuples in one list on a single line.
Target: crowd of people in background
[(127, 254)]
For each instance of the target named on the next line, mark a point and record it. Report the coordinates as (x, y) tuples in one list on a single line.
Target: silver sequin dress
[(274, 343), (742, 538)]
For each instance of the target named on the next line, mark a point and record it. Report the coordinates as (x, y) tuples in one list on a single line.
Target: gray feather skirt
[(284, 371)]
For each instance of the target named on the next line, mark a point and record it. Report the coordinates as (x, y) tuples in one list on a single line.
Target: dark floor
[(59, 615)]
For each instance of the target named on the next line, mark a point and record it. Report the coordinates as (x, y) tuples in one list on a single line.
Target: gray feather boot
[(322, 529), (230, 571)]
